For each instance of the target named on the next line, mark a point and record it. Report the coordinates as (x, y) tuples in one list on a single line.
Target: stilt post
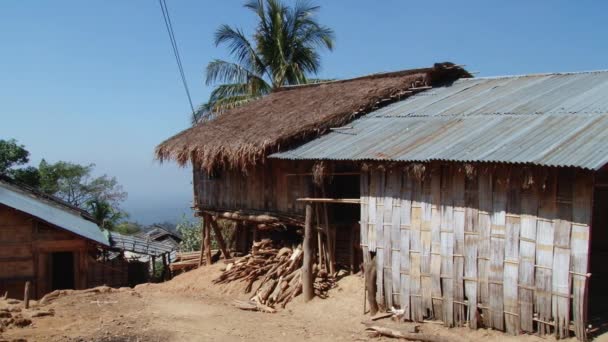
[(307, 280)]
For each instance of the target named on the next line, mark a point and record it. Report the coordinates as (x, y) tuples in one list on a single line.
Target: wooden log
[(407, 335), (26, 295), (307, 280), (219, 238)]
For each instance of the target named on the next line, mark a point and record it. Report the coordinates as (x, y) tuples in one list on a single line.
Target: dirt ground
[(190, 308)]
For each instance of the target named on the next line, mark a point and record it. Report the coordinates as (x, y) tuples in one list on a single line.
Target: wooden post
[(164, 267), (307, 278), (207, 240), (26, 295), (200, 259), (331, 237), (219, 238), (153, 267)]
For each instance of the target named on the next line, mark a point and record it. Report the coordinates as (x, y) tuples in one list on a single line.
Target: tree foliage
[(284, 50), (74, 184)]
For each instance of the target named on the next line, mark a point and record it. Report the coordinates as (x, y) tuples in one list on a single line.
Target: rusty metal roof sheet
[(549, 119)]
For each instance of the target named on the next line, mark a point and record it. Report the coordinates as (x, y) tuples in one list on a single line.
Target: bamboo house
[(474, 198)]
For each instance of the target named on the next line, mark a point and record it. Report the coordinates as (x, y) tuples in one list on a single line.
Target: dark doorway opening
[(62, 266)]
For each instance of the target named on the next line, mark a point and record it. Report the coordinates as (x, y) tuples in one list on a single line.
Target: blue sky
[(96, 82)]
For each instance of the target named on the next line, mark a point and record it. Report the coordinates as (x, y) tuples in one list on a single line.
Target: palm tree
[(283, 51), (103, 212)]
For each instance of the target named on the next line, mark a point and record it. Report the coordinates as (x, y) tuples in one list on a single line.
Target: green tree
[(190, 233), (127, 228), (12, 154), (284, 51), (107, 216)]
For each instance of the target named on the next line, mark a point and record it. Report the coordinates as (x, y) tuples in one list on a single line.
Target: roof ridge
[(53, 200), (397, 73), (535, 75)]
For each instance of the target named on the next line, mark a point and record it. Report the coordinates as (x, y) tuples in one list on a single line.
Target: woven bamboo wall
[(503, 247)]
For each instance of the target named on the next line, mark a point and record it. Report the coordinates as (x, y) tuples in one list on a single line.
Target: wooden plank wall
[(273, 186), (492, 243)]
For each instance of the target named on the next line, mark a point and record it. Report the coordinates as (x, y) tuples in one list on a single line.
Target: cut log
[(407, 335)]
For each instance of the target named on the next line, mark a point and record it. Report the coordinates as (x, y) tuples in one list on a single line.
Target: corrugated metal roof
[(552, 120), (140, 245), (14, 197)]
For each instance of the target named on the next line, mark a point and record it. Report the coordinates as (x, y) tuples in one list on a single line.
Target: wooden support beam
[(207, 240), (153, 266), (219, 238), (307, 277), (200, 259), (330, 200)]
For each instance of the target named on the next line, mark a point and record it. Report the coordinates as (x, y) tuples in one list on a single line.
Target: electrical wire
[(169, 26)]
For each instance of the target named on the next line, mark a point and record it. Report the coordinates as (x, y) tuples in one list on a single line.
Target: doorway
[(62, 270)]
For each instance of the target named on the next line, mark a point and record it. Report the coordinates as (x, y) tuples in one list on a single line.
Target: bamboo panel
[(485, 208), (372, 219), (380, 176), (459, 222), (471, 242), (511, 261), (364, 220), (447, 246), (415, 254), (527, 252), (560, 302), (405, 264), (579, 249), (395, 232), (436, 242), (497, 252), (544, 253), (390, 189), (425, 240)]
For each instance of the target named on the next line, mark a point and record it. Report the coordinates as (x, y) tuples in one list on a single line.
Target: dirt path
[(190, 308)]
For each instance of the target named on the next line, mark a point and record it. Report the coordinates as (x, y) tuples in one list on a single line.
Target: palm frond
[(227, 72), (240, 48)]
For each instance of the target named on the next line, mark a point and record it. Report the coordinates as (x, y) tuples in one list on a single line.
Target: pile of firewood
[(279, 273)]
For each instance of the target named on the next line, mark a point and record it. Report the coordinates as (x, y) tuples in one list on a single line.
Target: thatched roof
[(293, 115)]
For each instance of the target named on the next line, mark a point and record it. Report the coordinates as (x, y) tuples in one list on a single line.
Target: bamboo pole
[(307, 277)]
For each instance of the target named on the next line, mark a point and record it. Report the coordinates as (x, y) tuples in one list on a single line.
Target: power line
[(178, 59)]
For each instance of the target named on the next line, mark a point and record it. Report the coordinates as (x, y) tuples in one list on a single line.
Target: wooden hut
[(484, 202), (233, 179), (54, 245), (44, 241)]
